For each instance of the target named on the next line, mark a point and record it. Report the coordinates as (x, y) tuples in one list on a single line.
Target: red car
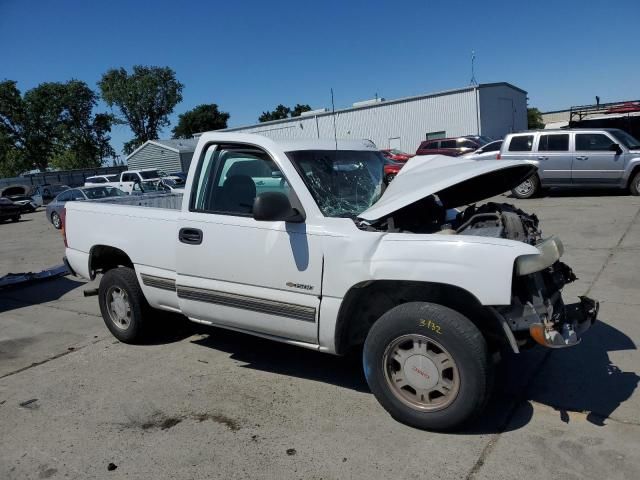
[(391, 169), (396, 155)]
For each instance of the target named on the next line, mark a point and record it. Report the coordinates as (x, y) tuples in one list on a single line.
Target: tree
[(298, 109), (279, 113), (145, 99), (52, 120), (202, 118), (534, 119)]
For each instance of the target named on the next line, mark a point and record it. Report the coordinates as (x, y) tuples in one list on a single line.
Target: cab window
[(230, 177)]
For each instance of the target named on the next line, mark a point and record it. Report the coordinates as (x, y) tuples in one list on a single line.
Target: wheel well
[(635, 170), (103, 258), (365, 303)]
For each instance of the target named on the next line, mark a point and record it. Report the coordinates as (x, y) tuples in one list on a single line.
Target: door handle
[(543, 158), (581, 157), (190, 236)]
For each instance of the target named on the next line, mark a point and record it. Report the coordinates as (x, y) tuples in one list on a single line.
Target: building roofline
[(155, 143), (380, 104)]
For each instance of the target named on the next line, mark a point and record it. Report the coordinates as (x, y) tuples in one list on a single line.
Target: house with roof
[(171, 156)]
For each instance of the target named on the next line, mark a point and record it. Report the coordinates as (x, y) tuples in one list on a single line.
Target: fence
[(73, 178)]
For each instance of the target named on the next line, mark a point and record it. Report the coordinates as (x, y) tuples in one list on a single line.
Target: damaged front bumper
[(537, 312), (578, 318)]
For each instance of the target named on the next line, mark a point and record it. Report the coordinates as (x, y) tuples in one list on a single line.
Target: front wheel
[(123, 306), (527, 189), (15, 218), (428, 366), (634, 186)]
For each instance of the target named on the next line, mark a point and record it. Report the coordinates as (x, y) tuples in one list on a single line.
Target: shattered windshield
[(344, 183)]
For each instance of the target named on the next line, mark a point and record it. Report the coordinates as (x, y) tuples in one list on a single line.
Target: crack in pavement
[(53, 357), (520, 399), (23, 303), (613, 251)]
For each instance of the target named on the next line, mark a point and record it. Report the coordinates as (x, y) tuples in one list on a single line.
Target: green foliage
[(282, 111), (534, 119), (145, 99), (51, 121), (298, 109), (279, 113), (202, 118)]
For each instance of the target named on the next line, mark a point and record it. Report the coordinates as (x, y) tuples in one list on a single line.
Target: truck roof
[(291, 145)]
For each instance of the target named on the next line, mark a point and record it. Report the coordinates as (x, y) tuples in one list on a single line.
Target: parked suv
[(452, 147), (604, 157)]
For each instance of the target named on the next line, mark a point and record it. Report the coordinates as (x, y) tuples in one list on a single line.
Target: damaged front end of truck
[(439, 195)]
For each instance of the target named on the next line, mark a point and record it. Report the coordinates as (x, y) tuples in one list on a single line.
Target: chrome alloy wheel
[(524, 188), (421, 373), (119, 307)]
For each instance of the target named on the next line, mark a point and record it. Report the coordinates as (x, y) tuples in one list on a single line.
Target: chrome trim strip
[(158, 282), (272, 307)]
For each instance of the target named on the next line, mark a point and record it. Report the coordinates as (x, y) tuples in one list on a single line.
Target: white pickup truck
[(130, 178), (300, 242)]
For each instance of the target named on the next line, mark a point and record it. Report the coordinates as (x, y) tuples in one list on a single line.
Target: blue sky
[(248, 56)]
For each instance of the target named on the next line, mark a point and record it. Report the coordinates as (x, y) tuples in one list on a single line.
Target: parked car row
[(564, 157)]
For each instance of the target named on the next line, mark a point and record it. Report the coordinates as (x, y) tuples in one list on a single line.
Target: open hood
[(456, 181)]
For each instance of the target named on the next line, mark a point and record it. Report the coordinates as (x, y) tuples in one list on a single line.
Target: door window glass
[(554, 143), (521, 143), (592, 142), (231, 177), (448, 144)]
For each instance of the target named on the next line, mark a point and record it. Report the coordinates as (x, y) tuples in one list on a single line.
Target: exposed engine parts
[(500, 220)]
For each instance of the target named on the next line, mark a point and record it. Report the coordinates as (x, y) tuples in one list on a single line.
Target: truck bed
[(171, 201), (145, 227)]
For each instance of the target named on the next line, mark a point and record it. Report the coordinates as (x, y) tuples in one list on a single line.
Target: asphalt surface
[(200, 402)]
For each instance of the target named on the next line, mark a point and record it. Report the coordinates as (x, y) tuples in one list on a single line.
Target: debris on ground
[(12, 279), (111, 467), (29, 403)]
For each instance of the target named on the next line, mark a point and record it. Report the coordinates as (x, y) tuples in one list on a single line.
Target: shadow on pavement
[(41, 292), (584, 379), (581, 378)]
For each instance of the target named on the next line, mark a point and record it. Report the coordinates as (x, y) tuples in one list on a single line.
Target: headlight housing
[(550, 250)]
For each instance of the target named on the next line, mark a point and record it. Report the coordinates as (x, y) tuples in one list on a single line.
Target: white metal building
[(492, 109), (171, 156)]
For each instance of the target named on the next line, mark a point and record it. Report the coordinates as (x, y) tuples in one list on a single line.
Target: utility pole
[(473, 68)]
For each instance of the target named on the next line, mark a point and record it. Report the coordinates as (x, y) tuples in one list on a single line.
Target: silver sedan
[(54, 209)]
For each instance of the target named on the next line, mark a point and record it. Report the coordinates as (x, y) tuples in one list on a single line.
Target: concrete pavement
[(199, 402)]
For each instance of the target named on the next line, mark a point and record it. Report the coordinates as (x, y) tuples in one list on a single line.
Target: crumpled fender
[(480, 265)]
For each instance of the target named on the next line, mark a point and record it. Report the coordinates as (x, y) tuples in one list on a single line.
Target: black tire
[(56, 220), (452, 334), (123, 279), (527, 189), (634, 185), (15, 218)]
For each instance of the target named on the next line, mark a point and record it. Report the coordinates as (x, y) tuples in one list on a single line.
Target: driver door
[(235, 271)]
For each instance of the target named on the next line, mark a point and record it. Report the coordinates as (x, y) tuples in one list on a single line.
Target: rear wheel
[(634, 186), (55, 219), (427, 365), (123, 305), (527, 189)]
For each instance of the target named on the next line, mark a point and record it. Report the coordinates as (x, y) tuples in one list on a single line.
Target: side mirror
[(275, 206), (614, 147)]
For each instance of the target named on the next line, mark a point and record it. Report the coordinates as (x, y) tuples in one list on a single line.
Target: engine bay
[(428, 215)]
